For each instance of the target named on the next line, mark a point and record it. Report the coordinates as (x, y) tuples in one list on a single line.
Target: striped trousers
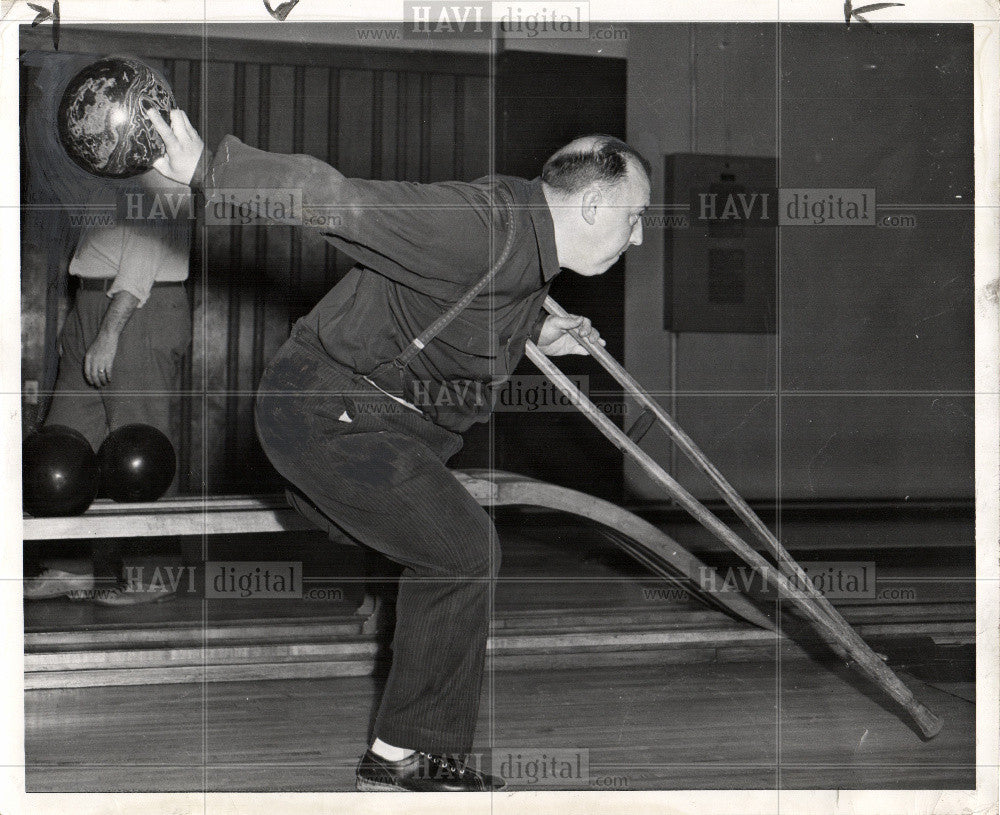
[(376, 470)]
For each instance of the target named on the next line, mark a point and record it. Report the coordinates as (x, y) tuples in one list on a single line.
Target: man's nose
[(636, 239)]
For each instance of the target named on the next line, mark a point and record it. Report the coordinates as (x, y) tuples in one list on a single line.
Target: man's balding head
[(588, 160), (597, 188)]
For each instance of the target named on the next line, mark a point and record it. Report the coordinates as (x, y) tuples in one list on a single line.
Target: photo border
[(749, 802)]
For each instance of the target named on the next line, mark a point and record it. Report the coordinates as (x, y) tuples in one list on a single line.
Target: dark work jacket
[(419, 248)]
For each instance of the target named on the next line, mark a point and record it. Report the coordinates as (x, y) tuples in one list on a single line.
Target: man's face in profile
[(615, 221)]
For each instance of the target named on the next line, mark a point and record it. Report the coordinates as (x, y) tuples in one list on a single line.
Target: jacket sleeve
[(432, 237), (536, 327)]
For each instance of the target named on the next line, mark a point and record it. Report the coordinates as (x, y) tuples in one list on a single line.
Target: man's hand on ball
[(184, 145), (556, 341)]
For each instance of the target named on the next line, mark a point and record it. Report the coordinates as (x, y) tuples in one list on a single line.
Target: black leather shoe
[(421, 772)]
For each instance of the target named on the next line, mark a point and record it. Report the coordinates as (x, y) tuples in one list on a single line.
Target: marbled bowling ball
[(101, 121)]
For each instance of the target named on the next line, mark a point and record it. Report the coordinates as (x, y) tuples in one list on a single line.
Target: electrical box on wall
[(720, 261)]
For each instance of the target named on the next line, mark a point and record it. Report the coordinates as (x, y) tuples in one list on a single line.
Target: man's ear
[(589, 203)]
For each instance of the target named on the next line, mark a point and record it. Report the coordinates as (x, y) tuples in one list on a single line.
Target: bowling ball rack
[(228, 515)]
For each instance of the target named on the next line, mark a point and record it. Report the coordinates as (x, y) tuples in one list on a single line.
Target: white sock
[(388, 752)]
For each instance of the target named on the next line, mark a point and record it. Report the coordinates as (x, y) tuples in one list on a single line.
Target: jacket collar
[(545, 234)]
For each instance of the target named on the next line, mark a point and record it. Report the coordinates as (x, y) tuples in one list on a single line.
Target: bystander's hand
[(100, 359)]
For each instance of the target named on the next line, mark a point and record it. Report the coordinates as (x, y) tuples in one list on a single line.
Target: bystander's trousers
[(145, 386), (146, 375)]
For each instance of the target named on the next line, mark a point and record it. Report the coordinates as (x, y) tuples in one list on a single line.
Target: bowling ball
[(59, 472), (101, 121), (137, 463)]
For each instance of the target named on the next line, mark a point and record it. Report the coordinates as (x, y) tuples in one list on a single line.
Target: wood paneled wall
[(427, 124), (408, 116)]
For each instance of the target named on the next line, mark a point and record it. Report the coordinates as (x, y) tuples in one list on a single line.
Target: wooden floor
[(739, 726), (704, 725)]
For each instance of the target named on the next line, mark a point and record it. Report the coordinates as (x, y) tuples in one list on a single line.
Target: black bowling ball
[(59, 472), (137, 463)]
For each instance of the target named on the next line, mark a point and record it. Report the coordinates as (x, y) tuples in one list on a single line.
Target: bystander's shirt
[(156, 244)]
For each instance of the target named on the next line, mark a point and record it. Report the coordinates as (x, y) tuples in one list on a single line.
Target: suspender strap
[(418, 344)]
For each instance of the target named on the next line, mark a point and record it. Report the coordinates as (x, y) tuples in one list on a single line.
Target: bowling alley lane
[(601, 675)]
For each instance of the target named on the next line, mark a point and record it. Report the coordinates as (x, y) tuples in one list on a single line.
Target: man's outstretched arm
[(406, 231)]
